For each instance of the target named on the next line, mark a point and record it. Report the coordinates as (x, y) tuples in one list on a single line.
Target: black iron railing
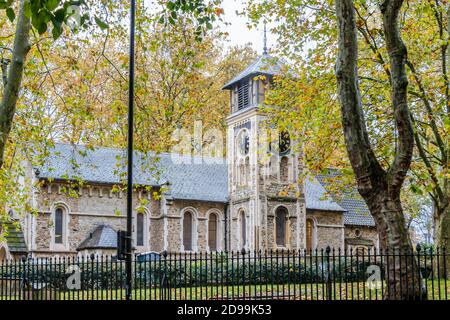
[(292, 275)]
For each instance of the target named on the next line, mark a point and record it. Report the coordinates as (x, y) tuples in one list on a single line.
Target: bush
[(180, 274), (92, 276), (220, 270)]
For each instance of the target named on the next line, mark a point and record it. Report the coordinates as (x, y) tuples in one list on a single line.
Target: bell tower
[(267, 206)]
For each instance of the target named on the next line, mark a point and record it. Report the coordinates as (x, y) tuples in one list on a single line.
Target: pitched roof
[(264, 64), (14, 237), (316, 197), (190, 178), (102, 165), (357, 213), (103, 237)]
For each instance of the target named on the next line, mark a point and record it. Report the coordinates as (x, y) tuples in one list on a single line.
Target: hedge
[(187, 274)]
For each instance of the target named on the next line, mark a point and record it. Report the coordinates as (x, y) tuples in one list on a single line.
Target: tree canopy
[(74, 89)]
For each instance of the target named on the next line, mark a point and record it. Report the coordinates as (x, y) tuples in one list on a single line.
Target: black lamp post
[(128, 263)]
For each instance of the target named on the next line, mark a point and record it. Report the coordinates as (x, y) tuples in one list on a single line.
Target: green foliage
[(75, 90), (176, 273), (10, 13), (55, 13), (5, 4), (93, 275), (306, 37), (203, 12)]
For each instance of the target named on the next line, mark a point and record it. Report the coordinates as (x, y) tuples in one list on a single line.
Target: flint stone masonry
[(361, 233), (330, 228), (84, 211), (200, 211), (89, 209)]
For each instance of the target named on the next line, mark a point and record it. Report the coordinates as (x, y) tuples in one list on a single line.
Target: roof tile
[(264, 64), (357, 213), (103, 237), (188, 178)]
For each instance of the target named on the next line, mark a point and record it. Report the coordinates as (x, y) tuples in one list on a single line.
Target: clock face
[(244, 143), (282, 146), (285, 142)]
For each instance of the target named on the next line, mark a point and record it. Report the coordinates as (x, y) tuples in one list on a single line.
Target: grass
[(437, 290)]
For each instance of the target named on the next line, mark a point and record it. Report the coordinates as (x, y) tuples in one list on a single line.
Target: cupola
[(248, 88)]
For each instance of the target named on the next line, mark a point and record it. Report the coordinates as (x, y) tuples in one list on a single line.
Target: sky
[(239, 34)]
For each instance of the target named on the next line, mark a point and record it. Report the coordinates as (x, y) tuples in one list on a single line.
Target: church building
[(253, 199)]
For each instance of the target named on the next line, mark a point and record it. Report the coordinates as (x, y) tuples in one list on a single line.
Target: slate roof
[(188, 178), (264, 64), (102, 165), (194, 178), (357, 213), (103, 237), (316, 197), (14, 237)]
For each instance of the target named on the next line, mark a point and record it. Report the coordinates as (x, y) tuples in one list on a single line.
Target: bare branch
[(49, 72), (423, 96)]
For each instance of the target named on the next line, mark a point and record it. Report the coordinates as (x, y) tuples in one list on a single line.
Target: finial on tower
[(265, 39)]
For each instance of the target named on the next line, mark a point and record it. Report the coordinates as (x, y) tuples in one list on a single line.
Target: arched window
[(187, 231), (280, 221), (310, 234), (243, 229), (212, 232), (140, 229), (59, 226), (284, 169)]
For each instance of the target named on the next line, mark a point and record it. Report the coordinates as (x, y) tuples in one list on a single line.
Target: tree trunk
[(14, 78), (380, 188), (442, 240), (403, 278)]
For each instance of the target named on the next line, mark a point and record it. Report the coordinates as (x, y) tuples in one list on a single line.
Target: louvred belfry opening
[(243, 97)]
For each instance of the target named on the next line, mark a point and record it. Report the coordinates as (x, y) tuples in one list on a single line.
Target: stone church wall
[(363, 233), (89, 208), (157, 233), (97, 205), (329, 228), (291, 224), (201, 211)]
